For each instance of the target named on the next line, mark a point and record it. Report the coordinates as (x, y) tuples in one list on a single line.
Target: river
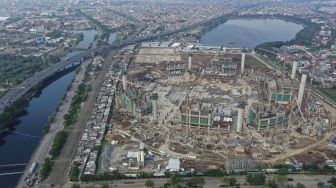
[(16, 148), (249, 33)]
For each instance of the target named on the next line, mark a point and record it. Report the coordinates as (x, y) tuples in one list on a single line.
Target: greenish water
[(250, 32)]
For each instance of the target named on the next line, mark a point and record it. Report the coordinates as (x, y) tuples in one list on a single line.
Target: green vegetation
[(2, 93), (8, 117), (15, 69), (229, 180), (75, 185), (74, 172), (298, 185), (320, 184), (256, 178), (105, 185), (46, 168), (144, 174), (105, 30), (149, 183), (330, 92), (282, 171), (54, 34), (281, 179), (102, 176), (58, 143), (253, 62), (196, 181), (45, 129), (271, 184), (175, 181), (215, 173), (71, 117), (332, 181), (79, 38)]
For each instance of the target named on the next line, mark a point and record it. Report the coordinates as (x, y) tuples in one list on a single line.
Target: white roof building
[(174, 165)]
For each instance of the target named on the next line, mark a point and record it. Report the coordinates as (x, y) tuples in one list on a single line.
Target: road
[(20, 90), (327, 103), (63, 162), (43, 149), (24, 87), (210, 182), (301, 150)]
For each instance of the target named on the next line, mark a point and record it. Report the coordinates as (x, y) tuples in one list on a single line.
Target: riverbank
[(210, 182), (45, 144)]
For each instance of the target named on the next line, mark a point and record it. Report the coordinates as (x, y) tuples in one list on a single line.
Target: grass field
[(253, 62), (330, 92)]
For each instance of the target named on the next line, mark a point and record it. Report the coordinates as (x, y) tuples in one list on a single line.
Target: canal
[(18, 148), (249, 33)]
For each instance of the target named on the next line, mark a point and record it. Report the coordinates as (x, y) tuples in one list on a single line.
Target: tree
[(74, 172), (320, 184), (229, 180), (105, 185), (175, 180), (300, 185), (215, 173), (282, 171), (46, 168), (195, 181), (332, 181), (281, 179), (149, 183), (255, 178), (75, 185), (271, 184)]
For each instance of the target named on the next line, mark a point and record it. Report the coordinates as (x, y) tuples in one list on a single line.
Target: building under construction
[(133, 98), (195, 112), (264, 115), (223, 68)]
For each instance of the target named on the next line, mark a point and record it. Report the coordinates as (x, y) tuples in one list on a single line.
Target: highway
[(24, 87), (210, 182), (44, 146)]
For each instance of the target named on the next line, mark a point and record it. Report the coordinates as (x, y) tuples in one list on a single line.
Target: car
[(290, 179)]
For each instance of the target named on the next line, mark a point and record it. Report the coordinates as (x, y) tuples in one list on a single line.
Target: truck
[(33, 168)]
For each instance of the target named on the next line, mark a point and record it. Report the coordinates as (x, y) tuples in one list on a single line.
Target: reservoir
[(18, 147), (249, 33)]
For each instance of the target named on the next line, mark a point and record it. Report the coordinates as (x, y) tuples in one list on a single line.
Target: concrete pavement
[(43, 149)]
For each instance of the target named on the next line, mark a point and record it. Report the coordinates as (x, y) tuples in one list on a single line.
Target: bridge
[(13, 165), (24, 87)]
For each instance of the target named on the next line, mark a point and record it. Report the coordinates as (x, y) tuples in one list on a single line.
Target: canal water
[(89, 36), (249, 33), (112, 37), (16, 148)]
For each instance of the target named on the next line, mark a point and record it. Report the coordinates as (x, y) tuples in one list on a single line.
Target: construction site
[(193, 108)]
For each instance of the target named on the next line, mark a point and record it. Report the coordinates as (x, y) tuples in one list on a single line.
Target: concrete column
[(154, 104), (240, 120), (124, 81), (259, 126), (301, 90), (242, 65), (199, 119), (190, 63), (294, 70)]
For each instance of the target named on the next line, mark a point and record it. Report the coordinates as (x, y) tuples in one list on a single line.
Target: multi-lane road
[(20, 90)]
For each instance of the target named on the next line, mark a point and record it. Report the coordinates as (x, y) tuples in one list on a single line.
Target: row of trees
[(9, 117), (69, 119), (46, 168), (81, 95)]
